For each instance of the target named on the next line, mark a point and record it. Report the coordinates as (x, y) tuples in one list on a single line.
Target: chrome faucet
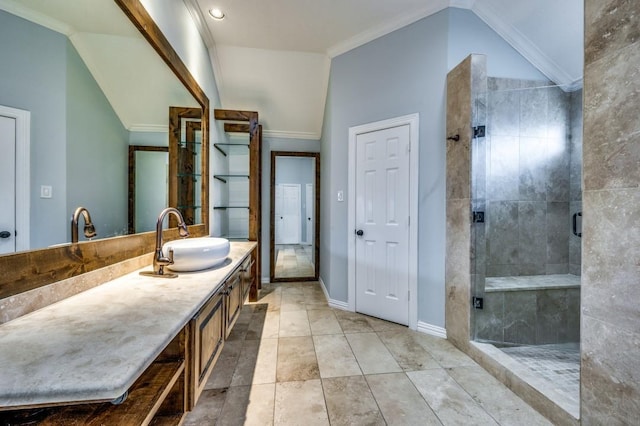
[(159, 259), (89, 229)]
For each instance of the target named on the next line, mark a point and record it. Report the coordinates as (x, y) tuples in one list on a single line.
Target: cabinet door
[(234, 300), (208, 338), (247, 276)]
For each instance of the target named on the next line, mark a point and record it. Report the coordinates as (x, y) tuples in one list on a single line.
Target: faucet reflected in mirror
[(89, 229), (159, 259)]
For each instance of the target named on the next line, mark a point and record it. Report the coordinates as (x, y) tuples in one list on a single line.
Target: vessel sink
[(195, 254)]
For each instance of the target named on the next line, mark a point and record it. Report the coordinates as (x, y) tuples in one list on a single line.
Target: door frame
[(316, 216), (23, 152), (413, 121)]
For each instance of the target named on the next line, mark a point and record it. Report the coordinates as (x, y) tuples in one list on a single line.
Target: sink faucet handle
[(183, 230)]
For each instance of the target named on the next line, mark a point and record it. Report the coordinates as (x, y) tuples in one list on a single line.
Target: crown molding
[(15, 8), (386, 28), (523, 45), (142, 128), (462, 4), (285, 134), (201, 25), (200, 22)]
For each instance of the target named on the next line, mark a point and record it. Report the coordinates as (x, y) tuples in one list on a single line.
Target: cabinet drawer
[(234, 300), (208, 338)]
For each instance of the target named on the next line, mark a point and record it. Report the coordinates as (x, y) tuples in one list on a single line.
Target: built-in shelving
[(224, 178), (225, 148), (230, 207)]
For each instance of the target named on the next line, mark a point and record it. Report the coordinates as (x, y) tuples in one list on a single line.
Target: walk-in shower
[(526, 227)]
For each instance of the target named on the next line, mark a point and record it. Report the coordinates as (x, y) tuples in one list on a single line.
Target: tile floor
[(292, 360), (294, 260), (558, 364)]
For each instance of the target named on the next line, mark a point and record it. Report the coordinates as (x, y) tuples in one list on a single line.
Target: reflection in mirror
[(93, 86), (294, 208), (148, 186)]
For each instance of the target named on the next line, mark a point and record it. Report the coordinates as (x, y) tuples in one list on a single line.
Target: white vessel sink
[(195, 254)]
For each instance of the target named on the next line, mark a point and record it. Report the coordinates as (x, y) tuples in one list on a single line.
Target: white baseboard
[(432, 330), (265, 280), (338, 304)]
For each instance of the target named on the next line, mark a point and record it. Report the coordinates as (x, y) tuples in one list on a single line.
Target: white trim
[(462, 4), (23, 166), (523, 45), (387, 27), (432, 330), (284, 134), (159, 128), (338, 304), (413, 120), (265, 280)]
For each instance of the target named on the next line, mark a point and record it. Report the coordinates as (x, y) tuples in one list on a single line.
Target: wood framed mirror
[(295, 216), (40, 266)]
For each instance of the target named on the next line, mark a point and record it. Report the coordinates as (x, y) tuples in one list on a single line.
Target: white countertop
[(93, 346)]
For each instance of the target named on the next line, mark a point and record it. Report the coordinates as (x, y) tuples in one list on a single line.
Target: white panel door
[(278, 215), (8, 185), (288, 213), (310, 199), (382, 224)]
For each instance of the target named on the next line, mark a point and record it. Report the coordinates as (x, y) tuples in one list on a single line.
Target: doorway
[(382, 208), (14, 180), (294, 241)]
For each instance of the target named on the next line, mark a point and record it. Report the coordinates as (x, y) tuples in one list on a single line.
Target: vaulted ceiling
[(274, 56)]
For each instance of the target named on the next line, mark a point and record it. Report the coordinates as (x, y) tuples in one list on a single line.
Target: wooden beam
[(236, 127)]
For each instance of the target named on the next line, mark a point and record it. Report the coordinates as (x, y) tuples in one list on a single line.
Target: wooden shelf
[(144, 399), (170, 420)]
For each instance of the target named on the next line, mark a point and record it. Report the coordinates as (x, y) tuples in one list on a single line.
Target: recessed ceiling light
[(216, 14)]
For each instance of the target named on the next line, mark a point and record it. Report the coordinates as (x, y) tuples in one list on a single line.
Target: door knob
[(5, 234), (359, 232)]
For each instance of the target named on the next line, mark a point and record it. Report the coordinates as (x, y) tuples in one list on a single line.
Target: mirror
[(148, 185), (295, 214), (94, 87)]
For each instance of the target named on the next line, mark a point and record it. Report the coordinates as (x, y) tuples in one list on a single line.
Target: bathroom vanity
[(134, 350)]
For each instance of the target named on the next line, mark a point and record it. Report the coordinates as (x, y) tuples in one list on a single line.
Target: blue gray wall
[(72, 150), (97, 152), (401, 73)]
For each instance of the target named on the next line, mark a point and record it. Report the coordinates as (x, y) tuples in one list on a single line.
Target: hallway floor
[(294, 260), (292, 360)]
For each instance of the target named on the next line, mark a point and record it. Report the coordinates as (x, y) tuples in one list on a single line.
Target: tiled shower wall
[(527, 179), (610, 338)]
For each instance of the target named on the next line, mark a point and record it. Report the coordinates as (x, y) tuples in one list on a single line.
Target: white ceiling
[(273, 56), (137, 83)]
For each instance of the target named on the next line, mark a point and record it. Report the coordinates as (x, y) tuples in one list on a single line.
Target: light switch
[(46, 191), (340, 195)]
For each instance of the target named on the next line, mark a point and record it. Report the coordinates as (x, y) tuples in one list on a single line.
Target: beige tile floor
[(293, 261), (292, 360)]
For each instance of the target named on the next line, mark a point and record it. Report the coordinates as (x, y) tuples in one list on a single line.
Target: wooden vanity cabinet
[(208, 333), (248, 269), (234, 300)]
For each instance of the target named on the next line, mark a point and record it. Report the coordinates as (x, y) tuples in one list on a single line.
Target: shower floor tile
[(559, 364)]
